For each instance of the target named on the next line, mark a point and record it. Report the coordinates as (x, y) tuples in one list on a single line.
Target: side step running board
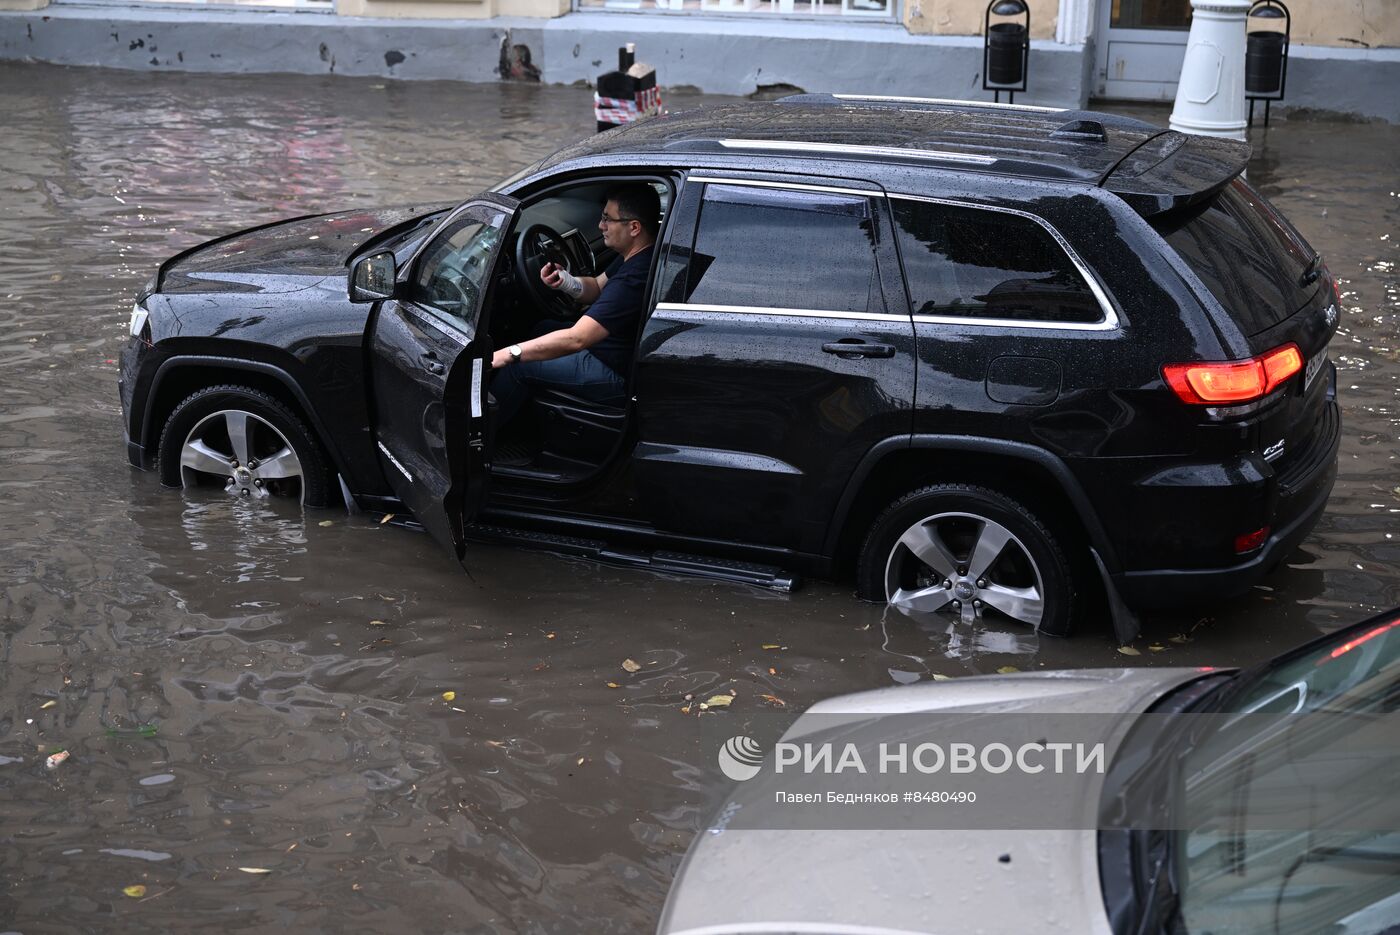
[(676, 563)]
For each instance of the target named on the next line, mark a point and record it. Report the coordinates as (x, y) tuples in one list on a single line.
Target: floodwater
[(243, 689)]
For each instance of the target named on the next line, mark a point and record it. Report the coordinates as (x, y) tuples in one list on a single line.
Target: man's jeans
[(579, 374)]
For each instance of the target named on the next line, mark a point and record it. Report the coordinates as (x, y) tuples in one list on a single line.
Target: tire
[(282, 456), (1027, 579)]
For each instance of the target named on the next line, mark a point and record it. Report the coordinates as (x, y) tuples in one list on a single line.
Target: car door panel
[(753, 412), (429, 352)]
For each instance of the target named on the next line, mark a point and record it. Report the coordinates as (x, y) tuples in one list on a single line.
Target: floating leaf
[(135, 892), (772, 671), (1179, 638), (378, 623), (719, 701), (549, 636), (1155, 647), (580, 761), (614, 685), (255, 869), (48, 704), (685, 709), (326, 522), (771, 646), (55, 760), (1007, 670), (774, 700), (145, 730), (940, 677), (449, 696), (1129, 651), (387, 517), (631, 665)]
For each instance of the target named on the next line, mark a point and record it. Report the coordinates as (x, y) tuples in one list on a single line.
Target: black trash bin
[(1263, 62), (1005, 42)]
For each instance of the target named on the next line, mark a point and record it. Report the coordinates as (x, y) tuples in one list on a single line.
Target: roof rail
[(846, 149), (938, 101)]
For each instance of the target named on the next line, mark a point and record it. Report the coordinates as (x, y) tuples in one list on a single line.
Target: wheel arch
[(180, 376), (1025, 472)]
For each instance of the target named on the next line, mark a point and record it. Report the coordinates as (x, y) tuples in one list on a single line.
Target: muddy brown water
[(289, 670)]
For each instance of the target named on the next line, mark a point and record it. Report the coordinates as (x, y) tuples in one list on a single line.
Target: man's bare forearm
[(552, 345), (591, 290)]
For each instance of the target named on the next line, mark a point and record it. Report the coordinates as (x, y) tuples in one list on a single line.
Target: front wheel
[(245, 441), (968, 552)]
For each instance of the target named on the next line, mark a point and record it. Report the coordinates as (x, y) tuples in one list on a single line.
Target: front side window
[(783, 248), (455, 269), (965, 262)]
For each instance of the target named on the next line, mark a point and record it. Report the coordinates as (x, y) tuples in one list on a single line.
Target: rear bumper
[(1299, 505)]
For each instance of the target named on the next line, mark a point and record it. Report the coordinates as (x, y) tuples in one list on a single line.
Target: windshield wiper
[(1312, 271)]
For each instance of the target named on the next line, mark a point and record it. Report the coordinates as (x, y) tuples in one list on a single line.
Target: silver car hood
[(925, 882)]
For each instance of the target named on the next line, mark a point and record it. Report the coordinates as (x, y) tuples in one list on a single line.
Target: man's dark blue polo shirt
[(619, 310)]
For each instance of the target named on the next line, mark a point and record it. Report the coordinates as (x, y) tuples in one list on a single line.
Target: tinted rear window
[(784, 248), (1248, 256), (973, 263)]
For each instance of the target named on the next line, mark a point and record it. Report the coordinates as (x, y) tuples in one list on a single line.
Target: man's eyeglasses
[(607, 220)]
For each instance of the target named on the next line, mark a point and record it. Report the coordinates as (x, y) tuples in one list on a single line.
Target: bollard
[(628, 94), (1210, 94)]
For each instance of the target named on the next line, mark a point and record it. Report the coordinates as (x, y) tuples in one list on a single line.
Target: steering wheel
[(537, 245)]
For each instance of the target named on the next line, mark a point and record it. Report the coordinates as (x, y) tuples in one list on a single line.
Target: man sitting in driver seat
[(591, 357)]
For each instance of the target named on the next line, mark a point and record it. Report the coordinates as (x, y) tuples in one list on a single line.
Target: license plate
[(1313, 369)]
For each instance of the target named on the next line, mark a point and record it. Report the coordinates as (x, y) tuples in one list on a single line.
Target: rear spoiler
[(1173, 170)]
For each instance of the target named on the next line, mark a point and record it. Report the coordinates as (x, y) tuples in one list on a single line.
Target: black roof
[(1028, 142)]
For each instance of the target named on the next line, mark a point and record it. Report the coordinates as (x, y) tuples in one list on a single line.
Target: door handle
[(854, 349), (432, 364)]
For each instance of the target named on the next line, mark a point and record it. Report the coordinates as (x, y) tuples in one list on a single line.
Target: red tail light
[(1235, 381), (1249, 541)]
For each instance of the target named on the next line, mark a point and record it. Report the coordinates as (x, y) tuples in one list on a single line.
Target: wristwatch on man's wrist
[(514, 353)]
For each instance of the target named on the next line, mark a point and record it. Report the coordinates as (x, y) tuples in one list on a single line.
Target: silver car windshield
[(1292, 822)]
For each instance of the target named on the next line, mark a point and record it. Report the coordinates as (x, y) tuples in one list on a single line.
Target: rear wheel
[(245, 441), (970, 553)]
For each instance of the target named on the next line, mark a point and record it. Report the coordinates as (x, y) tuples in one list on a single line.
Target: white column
[(1210, 95), (1073, 23)]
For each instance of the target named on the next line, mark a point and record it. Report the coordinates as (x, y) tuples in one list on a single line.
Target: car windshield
[(1289, 823)]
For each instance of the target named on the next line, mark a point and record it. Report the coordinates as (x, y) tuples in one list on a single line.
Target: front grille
[(1296, 471)]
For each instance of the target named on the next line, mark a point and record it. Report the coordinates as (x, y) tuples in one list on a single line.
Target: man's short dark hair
[(637, 200)]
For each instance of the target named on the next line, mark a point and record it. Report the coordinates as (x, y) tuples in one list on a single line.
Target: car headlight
[(139, 317)]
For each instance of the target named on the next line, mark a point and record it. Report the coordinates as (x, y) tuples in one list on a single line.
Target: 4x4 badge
[(1274, 450)]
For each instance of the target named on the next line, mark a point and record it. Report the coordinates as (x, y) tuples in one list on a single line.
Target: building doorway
[(1140, 47)]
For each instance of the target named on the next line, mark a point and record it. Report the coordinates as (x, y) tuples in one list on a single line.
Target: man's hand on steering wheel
[(559, 278)]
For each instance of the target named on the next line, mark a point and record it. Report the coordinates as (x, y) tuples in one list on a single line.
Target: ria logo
[(740, 758)]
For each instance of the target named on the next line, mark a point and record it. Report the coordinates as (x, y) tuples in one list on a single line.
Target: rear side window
[(973, 263), (1246, 254), (783, 248)]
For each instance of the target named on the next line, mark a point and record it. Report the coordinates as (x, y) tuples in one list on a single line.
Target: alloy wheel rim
[(243, 451), (965, 565)]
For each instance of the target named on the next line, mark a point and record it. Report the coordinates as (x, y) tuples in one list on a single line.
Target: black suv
[(991, 358)]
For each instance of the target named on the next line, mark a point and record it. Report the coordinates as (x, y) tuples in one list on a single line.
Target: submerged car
[(1206, 758), (991, 360)]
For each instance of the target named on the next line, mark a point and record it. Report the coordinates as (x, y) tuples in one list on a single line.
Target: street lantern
[(1006, 47), (1266, 55)]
